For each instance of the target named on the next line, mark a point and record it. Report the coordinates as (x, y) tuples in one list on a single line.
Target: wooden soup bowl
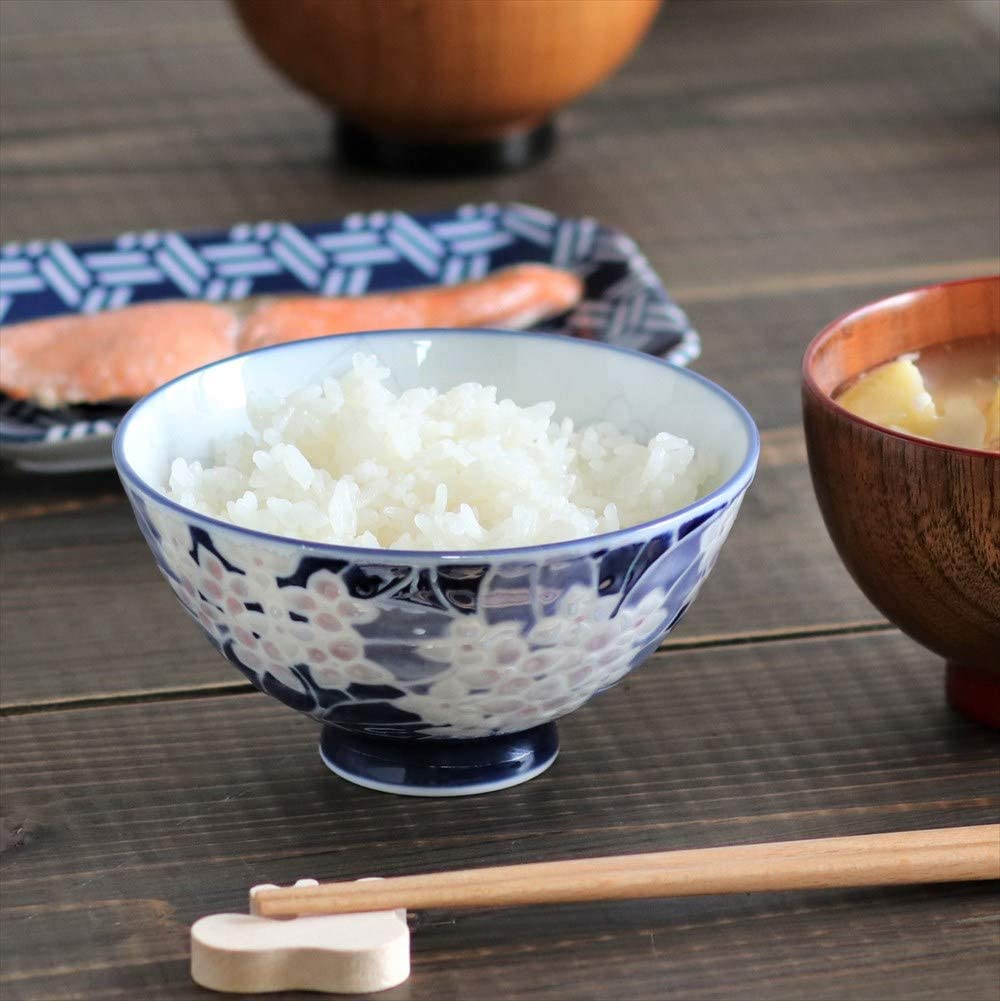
[(412, 80), (916, 523)]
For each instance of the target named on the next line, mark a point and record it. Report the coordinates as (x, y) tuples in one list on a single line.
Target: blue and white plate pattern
[(625, 301)]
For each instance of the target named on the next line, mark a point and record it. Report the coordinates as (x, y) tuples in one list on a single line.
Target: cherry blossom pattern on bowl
[(437, 673), (424, 652)]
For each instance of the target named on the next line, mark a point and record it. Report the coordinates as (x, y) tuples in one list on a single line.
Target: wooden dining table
[(779, 164)]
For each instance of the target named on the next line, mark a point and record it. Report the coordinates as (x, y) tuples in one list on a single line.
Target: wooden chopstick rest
[(333, 954)]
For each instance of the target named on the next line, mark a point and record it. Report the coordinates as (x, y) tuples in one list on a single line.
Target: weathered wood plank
[(779, 163), (741, 141), (773, 948), (101, 19), (126, 823)]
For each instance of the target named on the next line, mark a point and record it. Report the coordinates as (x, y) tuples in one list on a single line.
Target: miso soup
[(949, 393)]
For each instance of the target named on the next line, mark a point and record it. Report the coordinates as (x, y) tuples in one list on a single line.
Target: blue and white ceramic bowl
[(439, 673)]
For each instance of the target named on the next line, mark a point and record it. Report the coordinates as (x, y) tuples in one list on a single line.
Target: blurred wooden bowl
[(916, 523), (447, 72)]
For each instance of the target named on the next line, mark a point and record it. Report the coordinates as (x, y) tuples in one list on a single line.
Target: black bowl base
[(359, 147)]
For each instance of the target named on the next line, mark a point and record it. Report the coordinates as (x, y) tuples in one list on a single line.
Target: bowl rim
[(726, 491), (827, 401)]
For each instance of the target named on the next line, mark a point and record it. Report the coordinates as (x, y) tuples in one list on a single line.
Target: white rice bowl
[(352, 463)]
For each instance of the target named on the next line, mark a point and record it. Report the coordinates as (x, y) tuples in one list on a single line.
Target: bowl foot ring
[(439, 767), (358, 146), (974, 693)]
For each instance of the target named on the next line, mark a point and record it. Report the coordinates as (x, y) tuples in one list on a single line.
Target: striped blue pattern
[(625, 303)]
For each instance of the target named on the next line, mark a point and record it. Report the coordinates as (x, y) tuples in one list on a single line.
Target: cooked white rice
[(351, 462)]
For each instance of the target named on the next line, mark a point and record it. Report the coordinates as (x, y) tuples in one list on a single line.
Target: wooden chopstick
[(942, 855)]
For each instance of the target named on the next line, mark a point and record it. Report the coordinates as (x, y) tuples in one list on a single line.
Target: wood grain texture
[(128, 823), (742, 140), (744, 143), (779, 163)]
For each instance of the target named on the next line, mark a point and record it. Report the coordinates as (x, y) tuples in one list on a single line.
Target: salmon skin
[(124, 354)]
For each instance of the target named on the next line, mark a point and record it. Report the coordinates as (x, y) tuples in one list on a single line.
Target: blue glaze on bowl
[(440, 767), (411, 649)]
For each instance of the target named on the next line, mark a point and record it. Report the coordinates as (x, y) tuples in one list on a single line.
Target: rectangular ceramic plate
[(625, 302)]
